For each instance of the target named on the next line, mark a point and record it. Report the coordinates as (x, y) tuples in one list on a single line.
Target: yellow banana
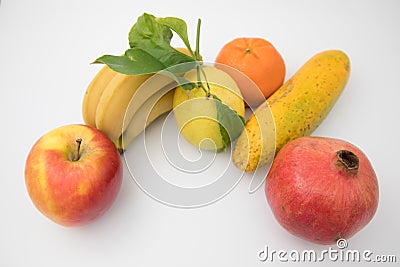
[(93, 94), (158, 84), (158, 104), (114, 101), (150, 93), (113, 98)]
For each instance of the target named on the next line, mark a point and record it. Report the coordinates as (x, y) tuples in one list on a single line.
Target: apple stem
[(349, 160), (78, 148)]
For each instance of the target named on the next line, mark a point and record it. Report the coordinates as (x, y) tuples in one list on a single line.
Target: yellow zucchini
[(296, 109)]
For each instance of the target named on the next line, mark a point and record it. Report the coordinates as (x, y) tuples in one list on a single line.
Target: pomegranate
[(322, 189)]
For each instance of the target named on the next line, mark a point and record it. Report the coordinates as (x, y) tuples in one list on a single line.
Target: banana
[(122, 106), (114, 101), (93, 94), (129, 99), (158, 84), (155, 106)]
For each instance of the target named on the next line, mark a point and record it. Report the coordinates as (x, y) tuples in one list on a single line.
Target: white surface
[(45, 51)]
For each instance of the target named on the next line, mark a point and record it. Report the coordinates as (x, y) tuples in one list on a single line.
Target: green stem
[(199, 83), (199, 67), (205, 78), (197, 51)]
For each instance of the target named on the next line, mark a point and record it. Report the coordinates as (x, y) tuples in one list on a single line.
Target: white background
[(45, 52)]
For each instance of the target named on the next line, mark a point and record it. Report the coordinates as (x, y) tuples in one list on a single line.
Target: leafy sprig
[(150, 51)]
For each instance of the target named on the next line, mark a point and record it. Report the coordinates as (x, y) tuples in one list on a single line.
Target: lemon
[(196, 114)]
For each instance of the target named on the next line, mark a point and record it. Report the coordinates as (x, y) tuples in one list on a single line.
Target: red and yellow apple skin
[(73, 191)]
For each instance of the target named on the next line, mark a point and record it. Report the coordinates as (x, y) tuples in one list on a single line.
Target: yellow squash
[(296, 109)]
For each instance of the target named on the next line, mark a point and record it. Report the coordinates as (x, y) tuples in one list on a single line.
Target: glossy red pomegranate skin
[(322, 189)]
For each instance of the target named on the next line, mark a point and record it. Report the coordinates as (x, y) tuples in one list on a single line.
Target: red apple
[(322, 189), (73, 174)]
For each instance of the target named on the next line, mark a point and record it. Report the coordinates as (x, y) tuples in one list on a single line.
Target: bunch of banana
[(122, 106)]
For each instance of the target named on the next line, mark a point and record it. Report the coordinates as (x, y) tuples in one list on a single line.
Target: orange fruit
[(259, 61)]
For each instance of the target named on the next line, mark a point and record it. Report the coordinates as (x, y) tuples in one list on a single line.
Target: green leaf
[(150, 50), (154, 38), (230, 123), (147, 28), (179, 26), (134, 62)]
